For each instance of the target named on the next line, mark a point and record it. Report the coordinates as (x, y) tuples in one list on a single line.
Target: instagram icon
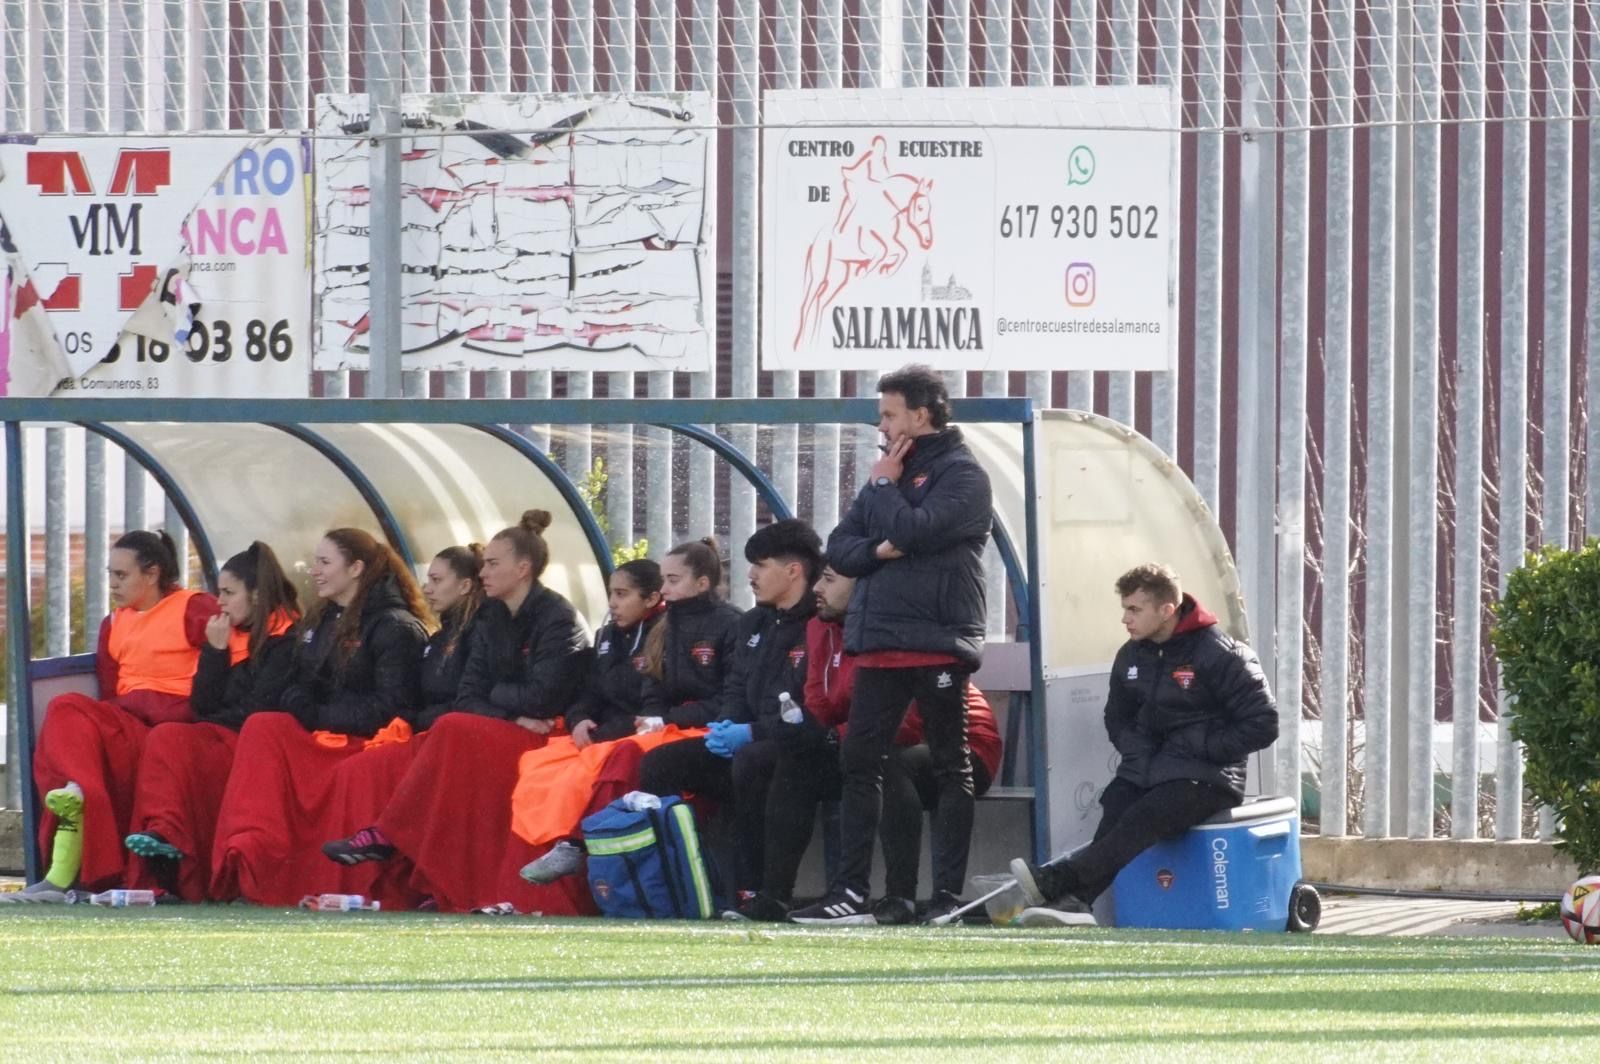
[(1080, 284)]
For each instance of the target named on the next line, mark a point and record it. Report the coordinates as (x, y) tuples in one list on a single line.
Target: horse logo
[(880, 211)]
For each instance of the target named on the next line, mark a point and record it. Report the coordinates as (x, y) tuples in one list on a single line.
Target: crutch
[(955, 914)]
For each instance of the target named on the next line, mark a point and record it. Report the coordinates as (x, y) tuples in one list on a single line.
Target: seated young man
[(1187, 705), (733, 764)]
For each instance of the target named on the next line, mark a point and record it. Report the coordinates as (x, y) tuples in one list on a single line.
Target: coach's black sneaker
[(368, 844), (758, 908), (844, 907), (939, 907), (892, 911)]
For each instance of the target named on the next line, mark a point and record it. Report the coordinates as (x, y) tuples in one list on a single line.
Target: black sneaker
[(368, 844), (892, 911), (758, 908), (1041, 884), (842, 908), (939, 907)]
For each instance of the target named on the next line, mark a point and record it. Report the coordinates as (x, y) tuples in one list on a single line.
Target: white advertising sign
[(998, 229), (540, 232), (157, 267)]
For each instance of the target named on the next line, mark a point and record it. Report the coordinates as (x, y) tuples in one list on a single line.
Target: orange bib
[(239, 638), (151, 650)]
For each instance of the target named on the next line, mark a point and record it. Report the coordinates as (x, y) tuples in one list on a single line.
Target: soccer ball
[(1580, 910)]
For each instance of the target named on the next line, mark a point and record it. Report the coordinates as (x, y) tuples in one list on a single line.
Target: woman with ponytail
[(455, 593), (245, 666), (87, 757), (356, 681), (689, 653), (448, 821)]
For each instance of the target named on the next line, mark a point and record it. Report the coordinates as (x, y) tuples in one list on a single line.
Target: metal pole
[(496, 52), (1039, 31), (580, 77), (541, 78), (1335, 677), (54, 79), (1379, 586), (383, 52), (1208, 258), (455, 32), (1294, 341), (825, 445), (1422, 600), (1512, 490), (869, 76), (1082, 48), (1124, 71), (333, 44), (1169, 71), (19, 581), (996, 74), (1258, 330), (620, 35), (745, 83), (1591, 322), (658, 456), (702, 464), (1466, 636), (96, 531), (955, 28)]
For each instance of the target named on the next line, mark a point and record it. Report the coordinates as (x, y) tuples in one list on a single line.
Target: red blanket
[(182, 777), (287, 796), (98, 745), (451, 819)]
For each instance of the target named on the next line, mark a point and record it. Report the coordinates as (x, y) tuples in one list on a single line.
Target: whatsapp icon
[(1080, 166)]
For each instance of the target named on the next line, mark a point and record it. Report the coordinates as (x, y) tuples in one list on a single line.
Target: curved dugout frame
[(116, 420)]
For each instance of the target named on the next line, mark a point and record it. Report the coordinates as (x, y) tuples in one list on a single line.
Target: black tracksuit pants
[(739, 784), (1134, 819), (877, 707)]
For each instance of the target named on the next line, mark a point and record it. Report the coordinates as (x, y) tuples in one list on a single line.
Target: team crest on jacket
[(641, 663), (919, 480), (797, 656), (755, 640), (1184, 674), (1165, 878), (944, 681), (705, 652)]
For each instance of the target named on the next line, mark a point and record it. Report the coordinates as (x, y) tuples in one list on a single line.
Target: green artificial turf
[(79, 984)]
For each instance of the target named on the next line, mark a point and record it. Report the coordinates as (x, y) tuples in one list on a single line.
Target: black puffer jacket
[(528, 665), (1191, 708), (378, 680), (939, 514), (226, 694), (444, 660), (769, 660), (701, 638), (613, 693)]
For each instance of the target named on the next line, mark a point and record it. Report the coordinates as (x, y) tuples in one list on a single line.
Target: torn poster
[(540, 232), (156, 267)]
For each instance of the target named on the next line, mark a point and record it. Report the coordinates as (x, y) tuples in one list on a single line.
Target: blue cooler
[(1238, 871)]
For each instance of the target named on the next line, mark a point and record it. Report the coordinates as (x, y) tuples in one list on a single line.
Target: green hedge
[(1547, 636)]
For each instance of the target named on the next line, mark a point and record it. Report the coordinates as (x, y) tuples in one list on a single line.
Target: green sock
[(66, 850)]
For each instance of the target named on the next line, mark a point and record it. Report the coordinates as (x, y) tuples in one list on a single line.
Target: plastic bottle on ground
[(123, 899)]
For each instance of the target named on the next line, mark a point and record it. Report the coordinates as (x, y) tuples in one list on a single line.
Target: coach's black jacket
[(528, 665), (702, 637), (378, 679), (939, 513), (1191, 708), (225, 693), (613, 691)]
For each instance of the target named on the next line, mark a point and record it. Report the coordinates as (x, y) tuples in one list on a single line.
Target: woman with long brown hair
[(449, 819), (245, 666), (357, 674), (87, 757)]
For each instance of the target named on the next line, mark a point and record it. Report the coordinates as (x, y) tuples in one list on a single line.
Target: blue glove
[(716, 738), (734, 736)]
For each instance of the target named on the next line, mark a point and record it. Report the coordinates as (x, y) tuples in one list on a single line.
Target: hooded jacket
[(613, 692), (379, 677), (939, 514), (1190, 708), (702, 637), (528, 664)]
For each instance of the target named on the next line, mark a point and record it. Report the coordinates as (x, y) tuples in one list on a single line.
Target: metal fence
[(1390, 240)]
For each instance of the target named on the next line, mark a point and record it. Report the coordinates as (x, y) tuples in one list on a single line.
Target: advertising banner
[(161, 267), (994, 229), (540, 232)]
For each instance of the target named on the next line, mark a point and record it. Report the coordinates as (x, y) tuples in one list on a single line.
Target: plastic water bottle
[(123, 899), (649, 725), (787, 709), (338, 903), (640, 801)]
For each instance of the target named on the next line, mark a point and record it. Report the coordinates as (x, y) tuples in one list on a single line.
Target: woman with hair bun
[(449, 819), (245, 665), (357, 669), (87, 757)]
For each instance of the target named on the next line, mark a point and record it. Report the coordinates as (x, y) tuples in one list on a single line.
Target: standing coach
[(914, 540)]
